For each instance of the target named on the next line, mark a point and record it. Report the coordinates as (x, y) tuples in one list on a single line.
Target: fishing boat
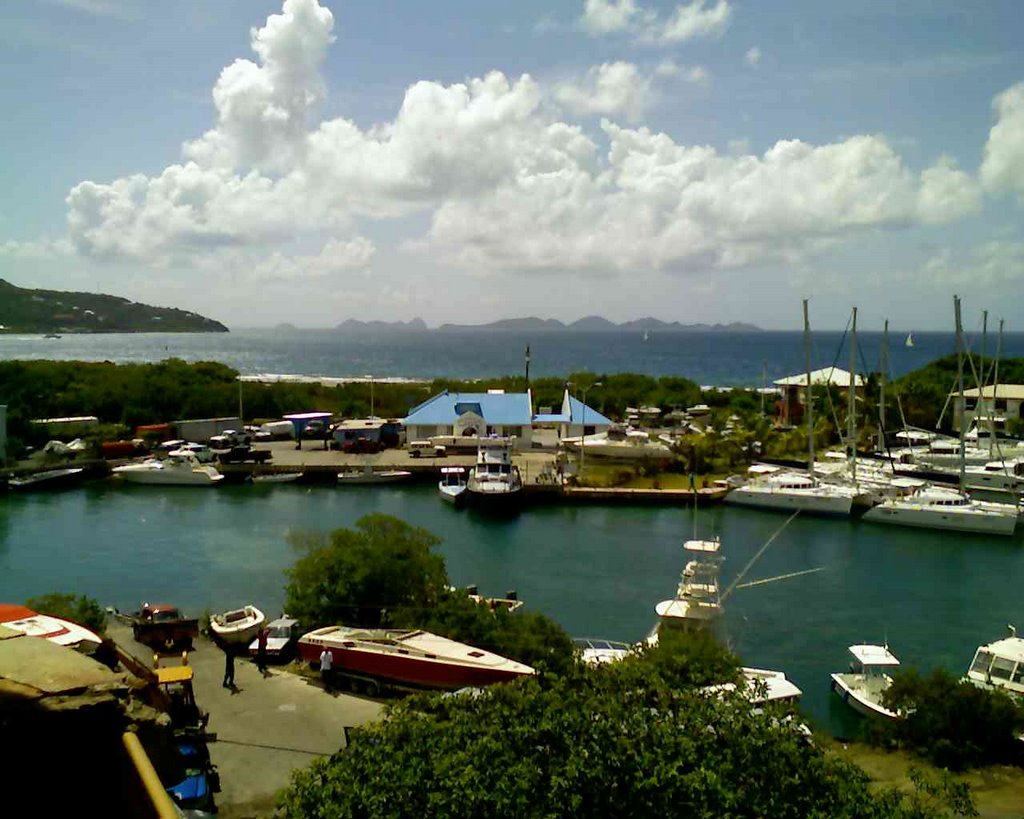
[(49, 479), (1000, 664), (368, 475), (867, 680), (412, 658), (697, 603), (452, 485), (237, 625), (179, 468), (494, 483)]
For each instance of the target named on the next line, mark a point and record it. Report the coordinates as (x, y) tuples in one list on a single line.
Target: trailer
[(203, 429)]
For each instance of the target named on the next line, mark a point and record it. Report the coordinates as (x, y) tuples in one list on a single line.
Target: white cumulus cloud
[(1002, 170), (504, 182), (688, 21), (610, 88)]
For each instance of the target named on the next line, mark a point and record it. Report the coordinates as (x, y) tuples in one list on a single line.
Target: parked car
[(230, 438), (427, 449), (314, 429), (282, 637)]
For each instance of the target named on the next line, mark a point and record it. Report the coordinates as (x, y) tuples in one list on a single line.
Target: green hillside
[(23, 310)]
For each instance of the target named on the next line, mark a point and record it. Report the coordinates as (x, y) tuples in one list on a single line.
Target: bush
[(77, 608)]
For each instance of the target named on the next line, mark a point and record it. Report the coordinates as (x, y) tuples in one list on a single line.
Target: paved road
[(267, 727)]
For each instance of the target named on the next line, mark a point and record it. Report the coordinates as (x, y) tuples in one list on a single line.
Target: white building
[(473, 415), (999, 406)]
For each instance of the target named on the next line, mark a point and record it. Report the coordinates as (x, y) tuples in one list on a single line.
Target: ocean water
[(721, 359), (599, 571)]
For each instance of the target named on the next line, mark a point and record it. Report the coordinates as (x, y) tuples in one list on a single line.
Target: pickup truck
[(241, 454), (162, 626)]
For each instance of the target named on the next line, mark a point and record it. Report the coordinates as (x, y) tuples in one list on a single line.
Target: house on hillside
[(789, 409), (996, 406)]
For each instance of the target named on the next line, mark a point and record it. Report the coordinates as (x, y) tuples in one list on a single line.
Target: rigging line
[(754, 559), (765, 580), (835, 362)]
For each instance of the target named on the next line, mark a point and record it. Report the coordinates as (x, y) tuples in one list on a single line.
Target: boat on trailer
[(237, 625), (411, 658)]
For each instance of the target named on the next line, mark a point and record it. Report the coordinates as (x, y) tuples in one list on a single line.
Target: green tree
[(953, 723), (614, 741), (77, 608), (355, 576)]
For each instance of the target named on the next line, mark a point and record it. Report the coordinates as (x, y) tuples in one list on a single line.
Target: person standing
[(261, 651), (229, 669), (326, 658)]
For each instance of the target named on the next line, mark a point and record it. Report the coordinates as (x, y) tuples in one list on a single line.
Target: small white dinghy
[(368, 475), (276, 477), (862, 687), (238, 625)]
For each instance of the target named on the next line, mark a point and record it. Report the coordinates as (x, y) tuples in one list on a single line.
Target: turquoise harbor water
[(599, 571)]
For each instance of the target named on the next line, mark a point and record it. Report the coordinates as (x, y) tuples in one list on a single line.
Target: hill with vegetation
[(26, 310)]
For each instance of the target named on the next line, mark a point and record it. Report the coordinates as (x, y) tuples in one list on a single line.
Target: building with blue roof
[(496, 413)]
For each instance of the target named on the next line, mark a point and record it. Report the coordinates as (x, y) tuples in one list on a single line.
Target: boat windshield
[(982, 660), (1002, 668)]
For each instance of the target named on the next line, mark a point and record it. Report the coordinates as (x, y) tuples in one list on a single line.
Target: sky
[(704, 161)]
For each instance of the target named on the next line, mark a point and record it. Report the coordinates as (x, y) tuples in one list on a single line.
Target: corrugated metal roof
[(826, 375), (504, 409)]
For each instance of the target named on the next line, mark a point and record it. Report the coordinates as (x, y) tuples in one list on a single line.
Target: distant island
[(587, 324), (25, 310)]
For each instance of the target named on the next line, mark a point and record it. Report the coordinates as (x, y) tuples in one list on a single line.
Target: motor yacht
[(999, 664), (179, 468), (494, 482)]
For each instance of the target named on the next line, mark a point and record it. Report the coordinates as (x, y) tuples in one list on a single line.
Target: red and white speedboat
[(56, 630), (415, 658)]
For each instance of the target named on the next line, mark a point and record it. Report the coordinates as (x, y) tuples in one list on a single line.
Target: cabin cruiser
[(1000, 665), (452, 485), (868, 678), (238, 625), (932, 507), (621, 443), (413, 658), (697, 603), (771, 487), (179, 468), (495, 483)]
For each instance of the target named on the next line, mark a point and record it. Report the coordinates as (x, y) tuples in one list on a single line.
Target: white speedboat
[(1000, 665), (760, 685), (623, 444), (368, 475), (495, 483), (452, 485), (277, 477), (55, 629), (789, 491), (600, 652), (862, 687), (932, 507), (179, 468), (237, 625)]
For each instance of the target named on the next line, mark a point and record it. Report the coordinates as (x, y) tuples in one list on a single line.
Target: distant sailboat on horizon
[(646, 335), (910, 340)]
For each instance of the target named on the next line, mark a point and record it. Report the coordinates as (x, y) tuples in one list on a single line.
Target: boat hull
[(455, 495), (988, 524), (858, 700), (791, 502), (168, 478), (52, 479), (507, 502), (363, 478), (240, 631)]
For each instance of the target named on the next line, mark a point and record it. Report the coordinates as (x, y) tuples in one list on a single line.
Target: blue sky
[(700, 161)]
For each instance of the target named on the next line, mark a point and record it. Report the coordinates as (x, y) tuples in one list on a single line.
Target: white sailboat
[(945, 508), (910, 340), (791, 491)]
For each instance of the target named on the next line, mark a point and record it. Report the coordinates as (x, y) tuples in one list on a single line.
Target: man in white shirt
[(326, 659)]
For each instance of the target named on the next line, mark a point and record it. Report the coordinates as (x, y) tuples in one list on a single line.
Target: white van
[(427, 449)]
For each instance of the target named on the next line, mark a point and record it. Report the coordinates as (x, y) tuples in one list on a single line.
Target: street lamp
[(371, 394), (583, 425)]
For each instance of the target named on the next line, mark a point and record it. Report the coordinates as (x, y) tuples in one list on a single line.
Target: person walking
[(261, 651), (326, 658), (229, 669)]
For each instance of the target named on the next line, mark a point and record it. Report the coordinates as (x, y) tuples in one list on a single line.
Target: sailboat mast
[(809, 397), (960, 384), (995, 388), (883, 366), (851, 408)]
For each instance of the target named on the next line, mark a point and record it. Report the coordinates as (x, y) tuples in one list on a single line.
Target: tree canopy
[(633, 739), (77, 608), (385, 572)]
